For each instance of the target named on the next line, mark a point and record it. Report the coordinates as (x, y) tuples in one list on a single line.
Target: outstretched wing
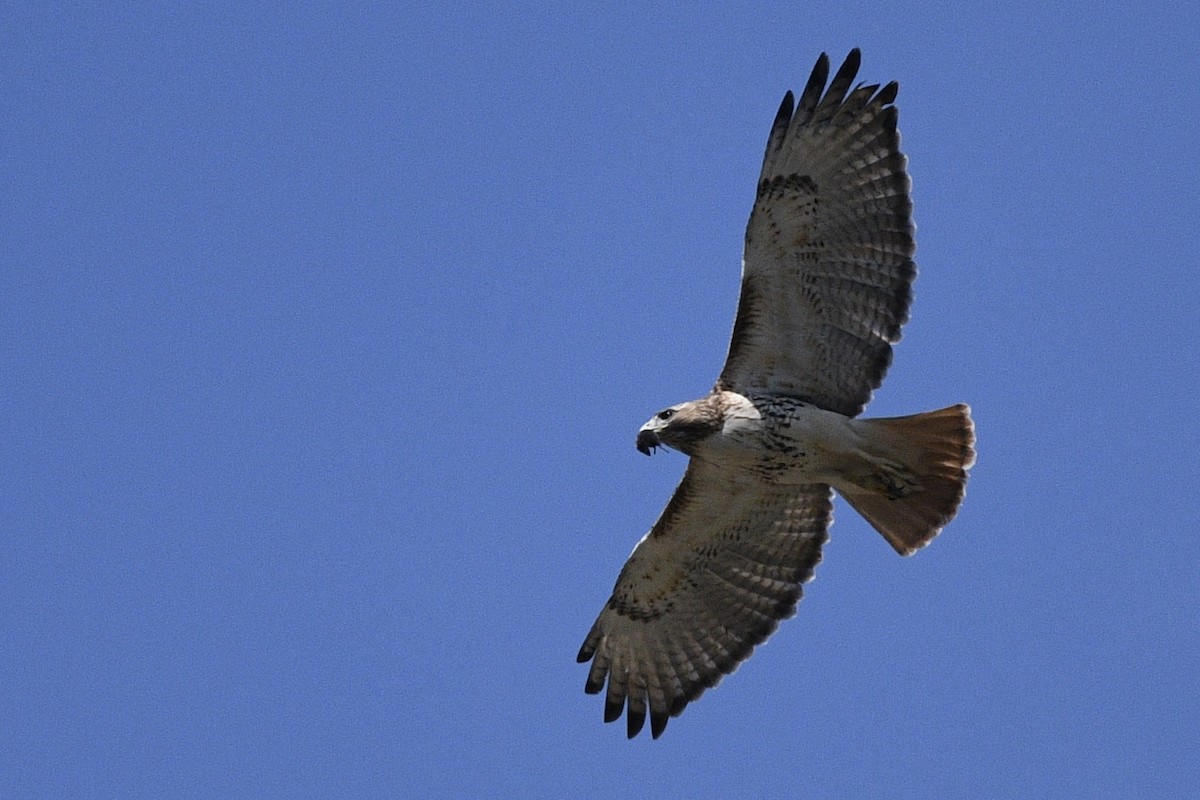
[(828, 268), (713, 578)]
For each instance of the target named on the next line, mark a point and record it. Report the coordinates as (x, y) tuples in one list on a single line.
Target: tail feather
[(921, 478)]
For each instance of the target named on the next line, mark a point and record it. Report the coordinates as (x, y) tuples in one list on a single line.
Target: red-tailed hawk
[(826, 285)]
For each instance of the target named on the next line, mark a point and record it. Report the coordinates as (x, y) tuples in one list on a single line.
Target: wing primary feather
[(812, 90), (857, 101), (659, 709), (635, 716), (618, 691), (887, 94), (658, 723), (588, 649), (839, 86), (779, 128), (613, 706)]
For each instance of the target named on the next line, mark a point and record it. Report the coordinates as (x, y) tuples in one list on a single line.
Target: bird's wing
[(828, 264), (713, 578)]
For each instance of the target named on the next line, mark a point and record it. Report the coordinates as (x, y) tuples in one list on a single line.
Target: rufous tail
[(920, 474)]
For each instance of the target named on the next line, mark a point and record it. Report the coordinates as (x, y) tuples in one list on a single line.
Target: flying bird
[(827, 277)]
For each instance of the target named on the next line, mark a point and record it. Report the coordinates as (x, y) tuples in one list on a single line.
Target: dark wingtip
[(784, 115), (855, 56), (612, 710), (822, 66), (658, 724), (846, 72), (813, 88), (635, 720), (888, 93)]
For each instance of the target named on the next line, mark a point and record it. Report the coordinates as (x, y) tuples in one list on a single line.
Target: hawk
[(827, 277)]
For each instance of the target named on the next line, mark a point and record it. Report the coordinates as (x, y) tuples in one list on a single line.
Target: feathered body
[(826, 288)]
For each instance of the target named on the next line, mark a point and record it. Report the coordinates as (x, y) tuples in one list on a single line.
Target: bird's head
[(681, 427)]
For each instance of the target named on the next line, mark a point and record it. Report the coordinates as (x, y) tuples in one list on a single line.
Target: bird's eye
[(664, 415)]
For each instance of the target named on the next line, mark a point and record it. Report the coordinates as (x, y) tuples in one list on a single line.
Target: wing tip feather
[(813, 87), (888, 93), (613, 708)]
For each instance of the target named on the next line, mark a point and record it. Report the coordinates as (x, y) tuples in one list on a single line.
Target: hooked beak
[(647, 440)]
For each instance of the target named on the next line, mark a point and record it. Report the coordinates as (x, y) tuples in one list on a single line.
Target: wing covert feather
[(713, 578)]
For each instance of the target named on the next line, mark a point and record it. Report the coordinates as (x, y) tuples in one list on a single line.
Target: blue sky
[(327, 331)]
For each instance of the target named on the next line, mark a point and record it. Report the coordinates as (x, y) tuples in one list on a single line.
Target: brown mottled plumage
[(826, 287)]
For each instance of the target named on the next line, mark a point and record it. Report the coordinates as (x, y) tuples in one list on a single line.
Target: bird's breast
[(784, 441)]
